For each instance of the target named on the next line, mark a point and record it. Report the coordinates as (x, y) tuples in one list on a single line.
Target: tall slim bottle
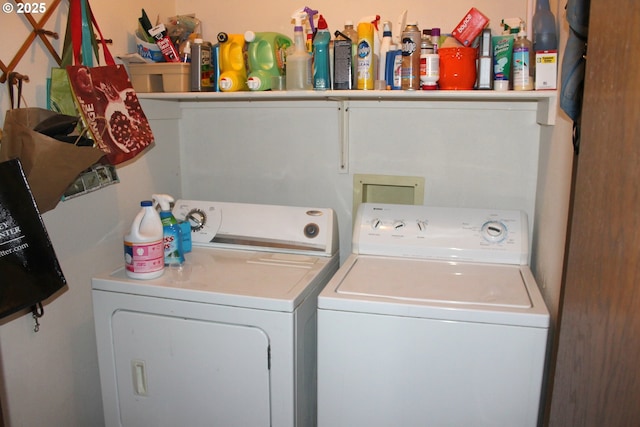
[(411, 38), (321, 66), (545, 36), (352, 33), (366, 74), (523, 62)]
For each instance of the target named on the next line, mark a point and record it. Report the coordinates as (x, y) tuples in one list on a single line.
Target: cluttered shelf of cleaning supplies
[(253, 66)]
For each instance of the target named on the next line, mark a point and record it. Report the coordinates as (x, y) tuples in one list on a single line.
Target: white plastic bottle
[(429, 63), (523, 62), (143, 246), (385, 46)]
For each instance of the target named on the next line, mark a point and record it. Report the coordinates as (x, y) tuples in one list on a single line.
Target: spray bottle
[(312, 28), (298, 63), (385, 46), (523, 61), (172, 232), (401, 22), (393, 72), (321, 64)]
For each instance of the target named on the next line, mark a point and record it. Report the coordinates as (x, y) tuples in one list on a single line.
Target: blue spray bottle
[(321, 66), (172, 232)]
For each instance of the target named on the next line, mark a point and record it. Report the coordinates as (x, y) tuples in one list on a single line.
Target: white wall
[(238, 18), (478, 154), (50, 377)]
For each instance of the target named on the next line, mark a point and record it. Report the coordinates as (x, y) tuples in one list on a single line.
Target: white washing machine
[(234, 344), (434, 320)]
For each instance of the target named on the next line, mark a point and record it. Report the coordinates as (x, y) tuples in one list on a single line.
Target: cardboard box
[(470, 27), (546, 70), (161, 77)]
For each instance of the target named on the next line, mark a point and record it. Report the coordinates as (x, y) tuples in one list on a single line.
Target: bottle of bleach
[(172, 232), (143, 246)]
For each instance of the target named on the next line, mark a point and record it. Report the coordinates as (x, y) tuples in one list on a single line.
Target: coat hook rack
[(15, 78), (38, 31)]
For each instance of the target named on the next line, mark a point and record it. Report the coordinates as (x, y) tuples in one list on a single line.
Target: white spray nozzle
[(299, 16), (164, 200), (402, 22)]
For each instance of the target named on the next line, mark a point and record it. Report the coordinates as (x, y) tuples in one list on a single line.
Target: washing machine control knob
[(494, 231), (376, 223), (422, 225), (398, 225)]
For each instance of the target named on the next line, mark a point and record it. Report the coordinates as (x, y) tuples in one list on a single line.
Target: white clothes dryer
[(434, 320), (234, 344)]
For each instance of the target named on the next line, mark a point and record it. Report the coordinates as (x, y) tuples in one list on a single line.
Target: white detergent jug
[(143, 247)]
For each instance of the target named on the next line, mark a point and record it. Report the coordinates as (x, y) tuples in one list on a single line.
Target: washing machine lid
[(447, 290), (239, 278)]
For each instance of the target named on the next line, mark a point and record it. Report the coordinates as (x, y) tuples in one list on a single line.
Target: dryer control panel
[(455, 234), (293, 229)]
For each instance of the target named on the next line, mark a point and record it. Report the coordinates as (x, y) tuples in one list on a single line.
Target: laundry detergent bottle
[(172, 232), (233, 68), (143, 246), (266, 54)]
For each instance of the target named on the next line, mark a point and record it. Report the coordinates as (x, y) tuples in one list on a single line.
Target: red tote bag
[(107, 101)]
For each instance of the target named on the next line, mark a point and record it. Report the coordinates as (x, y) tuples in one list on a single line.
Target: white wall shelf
[(546, 100)]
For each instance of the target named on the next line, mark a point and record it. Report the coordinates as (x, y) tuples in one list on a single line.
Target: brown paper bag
[(50, 165)]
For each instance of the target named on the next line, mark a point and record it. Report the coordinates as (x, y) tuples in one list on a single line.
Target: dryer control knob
[(197, 219), (376, 223)]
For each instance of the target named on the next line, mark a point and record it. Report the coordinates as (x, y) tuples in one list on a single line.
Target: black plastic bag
[(29, 269)]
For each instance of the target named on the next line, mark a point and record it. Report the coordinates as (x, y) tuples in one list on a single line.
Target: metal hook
[(38, 312)]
